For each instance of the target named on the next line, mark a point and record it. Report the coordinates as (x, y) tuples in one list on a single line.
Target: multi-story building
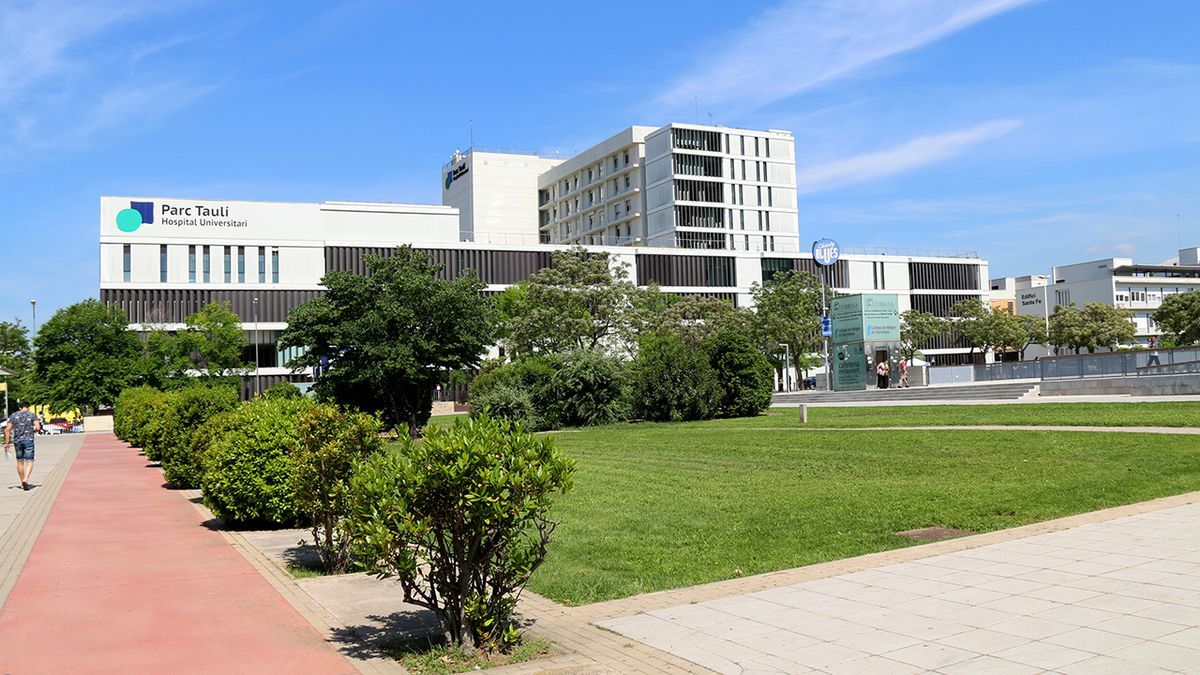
[(162, 259), (1003, 296), (678, 186), (1117, 282), (495, 192)]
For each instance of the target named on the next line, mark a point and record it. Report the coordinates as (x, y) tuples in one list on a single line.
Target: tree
[(388, 336), (17, 358), (1179, 317), (974, 324), (216, 340), (917, 329), (788, 311), (582, 301), (461, 519), (1068, 329), (1109, 326), (1032, 331), (742, 373), (671, 381), (695, 319), (84, 356)]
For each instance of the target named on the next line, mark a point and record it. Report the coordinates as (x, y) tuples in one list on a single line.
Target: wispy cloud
[(802, 44), (912, 154), (68, 73)]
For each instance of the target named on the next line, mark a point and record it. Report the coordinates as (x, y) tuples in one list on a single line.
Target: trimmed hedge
[(187, 412), (129, 412), (248, 465)]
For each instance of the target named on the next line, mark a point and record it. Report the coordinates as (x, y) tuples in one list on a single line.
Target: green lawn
[(1164, 414), (665, 506)]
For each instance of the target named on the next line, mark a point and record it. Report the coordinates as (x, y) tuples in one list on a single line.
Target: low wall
[(97, 423), (1151, 385)]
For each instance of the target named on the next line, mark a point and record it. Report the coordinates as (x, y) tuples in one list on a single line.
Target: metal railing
[(1139, 363)]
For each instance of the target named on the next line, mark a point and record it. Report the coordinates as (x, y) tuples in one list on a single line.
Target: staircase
[(984, 391)]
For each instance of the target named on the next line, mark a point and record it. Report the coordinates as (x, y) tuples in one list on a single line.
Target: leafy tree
[(582, 301), (216, 341), (165, 360), (1068, 329), (282, 390), (17, 358), (671, 381), (84, 356), (1032, 331), (975, 324), (1179, 317), (788, 311), (742, 372), (917, 329), (332, 443), (1109, 326), (697, 318), (388, 336), (461, 518)]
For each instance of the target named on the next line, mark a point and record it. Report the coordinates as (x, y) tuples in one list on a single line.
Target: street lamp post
[(33, 306), (257, 391)]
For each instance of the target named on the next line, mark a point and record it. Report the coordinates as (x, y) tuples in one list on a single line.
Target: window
[(628, 206), (126, 262), (207, 266), (241, 264), (615, 164), (162, 263), (589, 175), (627, 159), (191, 264), (262, 264), (228, 264), (626, 182)]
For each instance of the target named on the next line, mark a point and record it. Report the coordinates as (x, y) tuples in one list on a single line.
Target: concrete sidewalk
[(125, 577), (1121, 596)]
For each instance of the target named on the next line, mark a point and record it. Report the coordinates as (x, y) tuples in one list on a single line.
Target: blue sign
[(826, 326), (826, 252)]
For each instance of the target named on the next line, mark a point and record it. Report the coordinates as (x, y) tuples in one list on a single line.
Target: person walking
[(21, 429), (903, 372), (881, 373)]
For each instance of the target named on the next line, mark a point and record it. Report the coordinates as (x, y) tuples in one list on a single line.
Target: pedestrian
[(881, 373), (903, 372), (21, 428)]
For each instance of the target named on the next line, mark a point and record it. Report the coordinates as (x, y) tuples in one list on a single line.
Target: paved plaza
[(1121, 596)]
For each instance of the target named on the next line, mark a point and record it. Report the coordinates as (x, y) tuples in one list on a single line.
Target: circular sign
[(825, 252), (129, 220)]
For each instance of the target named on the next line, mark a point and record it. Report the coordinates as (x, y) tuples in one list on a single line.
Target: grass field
[(1165, 414), (663, 506)]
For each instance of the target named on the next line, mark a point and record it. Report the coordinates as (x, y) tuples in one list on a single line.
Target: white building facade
[(1116, 282), (678, 186), (162, 259)]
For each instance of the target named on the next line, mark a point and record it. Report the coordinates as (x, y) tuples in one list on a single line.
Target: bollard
[(803, 413)]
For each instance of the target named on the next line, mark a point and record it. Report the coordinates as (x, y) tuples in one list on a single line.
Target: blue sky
[(1033, 132)]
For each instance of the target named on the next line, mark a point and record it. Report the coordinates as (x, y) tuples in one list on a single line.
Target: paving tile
[(986, 665), (1023, 605), (1076, 615), (877, 641), (1043, 655), (931, 656), (777, 641), (774, 664), (1188, 637), (1137, 626), (969, 595), (1031, 627), (1066, 595), (978, 617), (1106, 665), (1158, 655), (1013, 586), (1115, 602), (929, 606), (821, 656), (983, 641), (1092, 640), (923, 628), (875, 665)]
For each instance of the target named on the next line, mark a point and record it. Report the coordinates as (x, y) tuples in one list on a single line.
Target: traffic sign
[(826, 326), (826, 252)]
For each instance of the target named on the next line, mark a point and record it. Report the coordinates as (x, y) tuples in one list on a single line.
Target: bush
[(506, 402), (461, 519), (742, 372), (248, 465), (129, 411), (670, 381), (149, 425), (332, 443), (577, 388), (185, 412), (282, 390)]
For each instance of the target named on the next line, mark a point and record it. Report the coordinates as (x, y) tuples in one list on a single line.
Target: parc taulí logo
[(138, 214)]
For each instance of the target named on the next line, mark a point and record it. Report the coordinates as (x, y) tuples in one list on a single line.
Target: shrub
[(506, 402), (282, 390), (461, 519), (149, 425), (587, 388), (671, 382), (742, 372), (129, 411), (186, 411), (332, 443), (533, 376), (248, 465)]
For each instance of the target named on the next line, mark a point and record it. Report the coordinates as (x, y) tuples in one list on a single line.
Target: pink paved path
[(125, 578)]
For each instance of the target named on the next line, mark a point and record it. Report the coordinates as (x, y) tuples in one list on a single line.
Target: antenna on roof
[(471, 128)]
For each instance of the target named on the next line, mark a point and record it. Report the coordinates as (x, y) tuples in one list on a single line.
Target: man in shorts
[(21, 428)]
